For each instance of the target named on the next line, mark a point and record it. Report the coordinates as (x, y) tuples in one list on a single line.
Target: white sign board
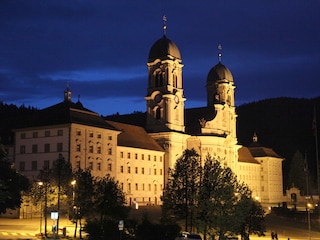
[(54, 215)]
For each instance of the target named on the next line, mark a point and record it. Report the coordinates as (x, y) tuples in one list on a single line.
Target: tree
[(108, 202), (179, 196), (217, 199), (81, 198), (249, 213), (299, 173), (12, 184)]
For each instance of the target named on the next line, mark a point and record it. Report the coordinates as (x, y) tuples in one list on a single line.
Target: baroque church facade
[(139, 156)]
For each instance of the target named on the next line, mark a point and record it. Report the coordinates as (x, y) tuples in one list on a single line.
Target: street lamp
[(74, 208), (40, 186)]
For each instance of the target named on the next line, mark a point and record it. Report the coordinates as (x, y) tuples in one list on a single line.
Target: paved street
[(29, 228)]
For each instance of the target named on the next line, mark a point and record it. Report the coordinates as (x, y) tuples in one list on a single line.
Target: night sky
[(100, 49)]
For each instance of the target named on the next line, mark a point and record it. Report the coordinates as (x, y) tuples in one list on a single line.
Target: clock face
[(157, 98), (176, 99)]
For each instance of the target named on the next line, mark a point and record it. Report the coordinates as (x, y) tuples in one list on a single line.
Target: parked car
[(188, 236)]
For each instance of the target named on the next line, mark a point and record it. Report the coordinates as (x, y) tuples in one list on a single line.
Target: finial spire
[(164, 25), (219, 53)]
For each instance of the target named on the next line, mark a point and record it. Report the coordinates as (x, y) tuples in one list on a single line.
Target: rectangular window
[(91, 149), (59, 147), (22, 166), (109, 151), (149, 171), (99, 135), (34, 148), (110, 138), (142, 170), (129, 170), (155, 187), (47, 147), (136, 186), (160, 158), (129, 155), (136, 170), (99, 149), (34, 165), (136, 156), (142, 186), (142, 156), (149, 187), (155, 158), (78, 164), (121, 169), (149, 157), (160, 171), (121, 154), (22, 149), (46, 165), (155, 171), (47, 133), (23, 135), (91, 134), (78, 149), (121, 185), (109, 167), (99, 166), (129, 187), (91, 165), (78, 133), (35, 134), (60, 132)]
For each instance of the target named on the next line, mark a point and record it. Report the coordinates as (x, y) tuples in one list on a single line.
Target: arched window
[(158, 113)]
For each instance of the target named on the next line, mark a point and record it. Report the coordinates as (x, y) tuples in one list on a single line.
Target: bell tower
[(165, 99)]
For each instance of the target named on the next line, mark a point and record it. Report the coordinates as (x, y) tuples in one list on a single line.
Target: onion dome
[(164, 48), (219, 73)]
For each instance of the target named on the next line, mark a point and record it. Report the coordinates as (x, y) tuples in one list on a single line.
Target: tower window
[(158, 113), (159, 80)]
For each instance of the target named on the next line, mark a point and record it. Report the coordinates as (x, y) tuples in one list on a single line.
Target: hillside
[(284, 124)]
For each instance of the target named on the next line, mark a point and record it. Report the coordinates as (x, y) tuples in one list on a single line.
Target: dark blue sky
[(100, 48)]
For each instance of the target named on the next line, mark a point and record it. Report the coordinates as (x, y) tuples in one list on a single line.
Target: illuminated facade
[(139, 157)]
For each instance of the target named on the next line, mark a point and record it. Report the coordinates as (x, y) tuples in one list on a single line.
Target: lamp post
[(40, 186), (75, 212)]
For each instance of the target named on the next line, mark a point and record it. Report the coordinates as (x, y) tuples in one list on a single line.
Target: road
[(29, 228)]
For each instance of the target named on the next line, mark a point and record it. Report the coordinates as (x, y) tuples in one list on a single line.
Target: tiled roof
[(134, 136), (246, 156), (259, 151), (65, 113)]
